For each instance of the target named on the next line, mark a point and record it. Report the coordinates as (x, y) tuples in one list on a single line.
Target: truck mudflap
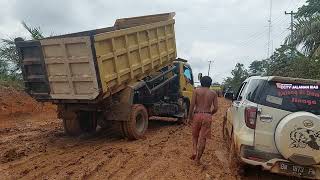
[(120, 110), (33, 69)]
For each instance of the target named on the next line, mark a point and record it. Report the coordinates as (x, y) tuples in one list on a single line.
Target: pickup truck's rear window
[(291, 97)]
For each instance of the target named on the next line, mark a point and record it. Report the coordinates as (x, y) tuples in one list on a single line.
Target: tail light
[(251, 117)]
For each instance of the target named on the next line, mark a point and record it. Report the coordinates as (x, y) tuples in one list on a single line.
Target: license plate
[(296, 170)]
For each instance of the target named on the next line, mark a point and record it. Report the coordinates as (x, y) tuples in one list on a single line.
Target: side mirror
[(199, 76)]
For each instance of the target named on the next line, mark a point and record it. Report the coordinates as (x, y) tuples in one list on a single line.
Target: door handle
[(266, 118)]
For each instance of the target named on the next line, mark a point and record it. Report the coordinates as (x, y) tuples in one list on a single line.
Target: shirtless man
[(203, 105)]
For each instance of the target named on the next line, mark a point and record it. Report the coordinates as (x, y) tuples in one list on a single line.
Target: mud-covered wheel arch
[(137, 124)]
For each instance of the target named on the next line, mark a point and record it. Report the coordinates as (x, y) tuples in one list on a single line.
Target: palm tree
[(35, 32), (307, 35), (9, 59)]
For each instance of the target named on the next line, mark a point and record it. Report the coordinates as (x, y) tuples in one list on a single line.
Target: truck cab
[(186, 80)]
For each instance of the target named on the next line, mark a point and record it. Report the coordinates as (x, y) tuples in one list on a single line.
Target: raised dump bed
[(97, 63)]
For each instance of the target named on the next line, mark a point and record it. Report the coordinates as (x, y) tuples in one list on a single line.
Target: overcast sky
[(225, 31)]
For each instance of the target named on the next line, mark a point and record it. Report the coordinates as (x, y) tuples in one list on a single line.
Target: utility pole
[(270, 29), (291, 28), (209, 67), (291, 25)]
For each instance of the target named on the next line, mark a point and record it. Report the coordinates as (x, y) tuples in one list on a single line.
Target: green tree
[(239, 74), (307, 35), (304, 67), (258, 67), (9, 60), (35, 32), (307, 25), (280, 62), (312, 8)]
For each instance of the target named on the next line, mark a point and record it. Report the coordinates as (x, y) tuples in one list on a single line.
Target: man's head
[(205, 81)]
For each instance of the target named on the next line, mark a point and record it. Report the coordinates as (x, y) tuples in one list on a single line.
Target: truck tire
[(76, 123), (137, 124), (71, 123), (235, 163), (87, 121), (184, 119), (224, 129)]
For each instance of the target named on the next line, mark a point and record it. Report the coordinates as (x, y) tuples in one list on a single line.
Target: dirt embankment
[(34, 146), (15, 103)]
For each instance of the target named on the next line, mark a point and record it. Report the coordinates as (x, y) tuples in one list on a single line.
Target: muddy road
[(34, 146)]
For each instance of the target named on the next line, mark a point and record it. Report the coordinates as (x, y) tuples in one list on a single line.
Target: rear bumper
[(268, 161)]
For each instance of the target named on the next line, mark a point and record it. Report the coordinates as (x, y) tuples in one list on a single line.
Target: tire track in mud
[(159, 155), (133, 161), (152, 156), (57, 159), (162, 154)]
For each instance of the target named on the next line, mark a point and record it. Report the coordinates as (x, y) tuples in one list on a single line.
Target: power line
[(277, 21), (270, 29), (260, 34)]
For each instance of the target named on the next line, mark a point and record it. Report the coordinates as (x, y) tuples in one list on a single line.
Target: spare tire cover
[(297, 138)]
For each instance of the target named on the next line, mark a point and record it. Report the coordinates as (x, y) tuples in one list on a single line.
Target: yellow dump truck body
[(101, 62), (129, 54), (217, 88)]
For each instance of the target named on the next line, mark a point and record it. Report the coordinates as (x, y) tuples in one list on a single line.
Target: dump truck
[(122, 74), (217, 87)]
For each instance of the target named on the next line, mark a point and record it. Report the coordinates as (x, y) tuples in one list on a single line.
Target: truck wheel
[(137, 124), (235, 164), (71, 123), (88, 121), (184, 119), (75, 123), (224, 129)]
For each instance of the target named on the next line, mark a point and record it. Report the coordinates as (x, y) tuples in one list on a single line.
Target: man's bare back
[(205, 100)]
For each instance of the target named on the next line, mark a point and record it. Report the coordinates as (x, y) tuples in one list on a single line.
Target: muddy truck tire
[(88, 121), (225, 134), (76, 123), (184, 119), (71, 124), (235, 163), (137, 124)]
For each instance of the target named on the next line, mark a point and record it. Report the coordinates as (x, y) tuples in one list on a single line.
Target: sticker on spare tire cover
[(302, 137)]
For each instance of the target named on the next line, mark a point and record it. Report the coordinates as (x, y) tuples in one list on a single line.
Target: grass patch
[(13, 82)]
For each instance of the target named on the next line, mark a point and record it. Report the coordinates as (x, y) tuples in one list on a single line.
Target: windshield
[(291, 97)]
